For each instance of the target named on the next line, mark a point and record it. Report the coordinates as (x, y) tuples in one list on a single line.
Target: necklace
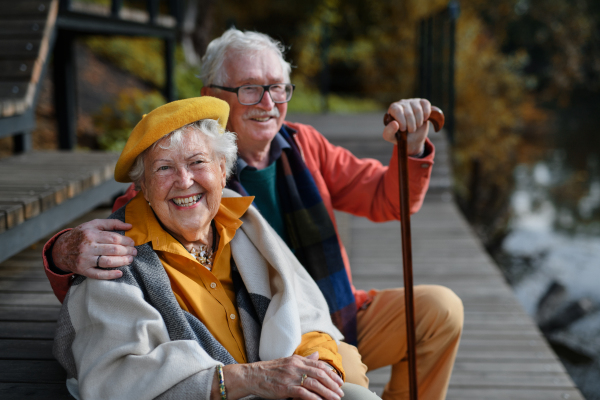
[(204, 255)]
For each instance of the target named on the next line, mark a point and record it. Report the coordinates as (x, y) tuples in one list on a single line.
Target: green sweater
[(263, 185)]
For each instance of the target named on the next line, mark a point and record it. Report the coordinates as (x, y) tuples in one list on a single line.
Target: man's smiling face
[(257, 124)]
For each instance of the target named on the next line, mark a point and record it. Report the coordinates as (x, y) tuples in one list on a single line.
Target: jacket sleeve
[(325, 345), (120, 347), (60, 282), (364, 187)]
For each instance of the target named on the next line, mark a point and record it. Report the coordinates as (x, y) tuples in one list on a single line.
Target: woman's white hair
[(236, 41), (221, 141)]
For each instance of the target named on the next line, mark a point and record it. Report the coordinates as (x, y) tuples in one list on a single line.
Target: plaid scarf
[(312, 236)]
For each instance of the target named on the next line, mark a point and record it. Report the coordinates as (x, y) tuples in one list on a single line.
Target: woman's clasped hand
[(282, 378)]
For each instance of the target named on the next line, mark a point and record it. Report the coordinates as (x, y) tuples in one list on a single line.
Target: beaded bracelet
[(221, 383)]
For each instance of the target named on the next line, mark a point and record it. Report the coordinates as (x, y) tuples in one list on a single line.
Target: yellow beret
[(164, 120)]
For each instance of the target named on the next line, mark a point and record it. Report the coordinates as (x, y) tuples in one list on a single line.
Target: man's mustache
[(257, 113)]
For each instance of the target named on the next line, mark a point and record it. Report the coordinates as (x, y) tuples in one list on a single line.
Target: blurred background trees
[(526, 70)]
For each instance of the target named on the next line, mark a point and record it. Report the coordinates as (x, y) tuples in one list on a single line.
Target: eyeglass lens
[(252, 94)]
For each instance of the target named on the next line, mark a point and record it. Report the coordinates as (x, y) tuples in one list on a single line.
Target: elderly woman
[(214, 305)]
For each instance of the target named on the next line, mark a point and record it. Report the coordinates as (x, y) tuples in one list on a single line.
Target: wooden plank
[(33, 274), (31, 391), (26, 349), (31, 314), (14, 214), (24, 265), (27, 330), (24, 285), (33, 8), (46, 198), (501, 379), (478, 393), (30, 28), (32, 206), (73, 187), (31, 371), (19, 48), (28, 299), (85, 177), (16, 69), (13, 90), (503, 366), (60, 191)]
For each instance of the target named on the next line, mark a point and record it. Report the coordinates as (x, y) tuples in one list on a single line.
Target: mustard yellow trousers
[(382, 341)]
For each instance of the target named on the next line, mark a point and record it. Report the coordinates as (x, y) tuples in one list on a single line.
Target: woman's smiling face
[(184, 185)]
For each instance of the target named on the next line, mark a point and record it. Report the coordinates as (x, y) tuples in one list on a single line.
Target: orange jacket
[(362, 187)]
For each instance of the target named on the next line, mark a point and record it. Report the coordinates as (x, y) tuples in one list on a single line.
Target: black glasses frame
[(266, 88)]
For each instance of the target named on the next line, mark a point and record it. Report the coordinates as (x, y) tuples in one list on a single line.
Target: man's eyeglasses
[(249, 95)]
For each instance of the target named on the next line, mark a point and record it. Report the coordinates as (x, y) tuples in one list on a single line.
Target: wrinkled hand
[(278, 379), (410, 115), (77, 250)]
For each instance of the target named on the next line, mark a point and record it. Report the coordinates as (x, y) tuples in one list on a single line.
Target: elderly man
[(298, 179)]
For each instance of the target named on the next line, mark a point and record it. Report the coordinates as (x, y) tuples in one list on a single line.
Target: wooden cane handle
[(436, 117)]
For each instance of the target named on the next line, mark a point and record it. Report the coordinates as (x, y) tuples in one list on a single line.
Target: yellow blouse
[(209, 295)]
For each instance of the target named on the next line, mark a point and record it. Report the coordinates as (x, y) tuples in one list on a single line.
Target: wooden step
[(19, 48), (29, 8), (25, 28), (16, 70)]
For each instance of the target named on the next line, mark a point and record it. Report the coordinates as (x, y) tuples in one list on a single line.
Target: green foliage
[(143, 57), (560, 37), (308, 100), (118, 120), (186, 77)]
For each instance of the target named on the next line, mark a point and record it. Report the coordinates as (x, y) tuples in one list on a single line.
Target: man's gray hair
[(221, 141), (236, 41)]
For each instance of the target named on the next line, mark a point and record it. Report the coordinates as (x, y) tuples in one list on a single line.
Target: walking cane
[(437, 118)]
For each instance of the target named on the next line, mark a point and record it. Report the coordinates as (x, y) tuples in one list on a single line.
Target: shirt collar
[(146, 227), (277, 145)]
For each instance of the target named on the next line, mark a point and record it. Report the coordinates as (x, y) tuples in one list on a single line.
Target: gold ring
[(304, 376)]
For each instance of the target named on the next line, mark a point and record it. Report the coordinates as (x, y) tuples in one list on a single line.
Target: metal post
[(422, 47), (22, 142), (429, 65), (176, 10), (453, 11), (115, 8), (64, 6), (153, 10), (169, 89), (325, 76), (65, 93)]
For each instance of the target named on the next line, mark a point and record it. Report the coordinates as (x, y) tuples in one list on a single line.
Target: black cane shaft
[(407, 264)]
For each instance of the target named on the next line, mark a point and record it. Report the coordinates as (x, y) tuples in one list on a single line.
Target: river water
[(554, 242)]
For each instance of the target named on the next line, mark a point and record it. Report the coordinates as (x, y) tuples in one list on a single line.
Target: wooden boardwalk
[(502, 354)]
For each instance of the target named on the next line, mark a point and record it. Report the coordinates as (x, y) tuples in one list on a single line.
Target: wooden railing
[(30, 30)]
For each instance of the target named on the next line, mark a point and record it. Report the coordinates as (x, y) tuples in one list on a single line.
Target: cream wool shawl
[(128, 338)]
